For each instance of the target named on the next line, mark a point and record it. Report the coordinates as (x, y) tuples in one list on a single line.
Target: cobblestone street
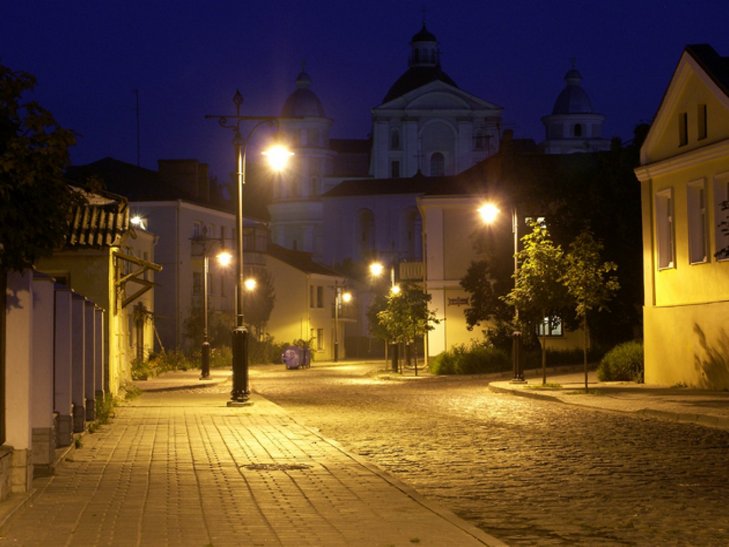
[(525, 470)]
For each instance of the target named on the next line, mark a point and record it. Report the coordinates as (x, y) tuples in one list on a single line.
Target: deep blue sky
[(187, 58)]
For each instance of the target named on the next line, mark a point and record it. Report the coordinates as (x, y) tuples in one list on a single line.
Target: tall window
[(395, 140), (395, 169), (696, 214), (664, 228), (721, 214), (701, 125), (366, 233), (319, 339), (683, 129), (578, 130), (550, 327), (437, 164)]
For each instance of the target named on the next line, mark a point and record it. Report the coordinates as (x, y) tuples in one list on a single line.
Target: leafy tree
[(258, 304), (34, 199), (539, 295), (406, 315), (484, 295), (588, 281)]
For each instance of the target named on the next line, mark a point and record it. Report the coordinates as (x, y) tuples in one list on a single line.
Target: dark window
[(702, 122), (578, 130), (395, 169), (683, 129), (437, 165)]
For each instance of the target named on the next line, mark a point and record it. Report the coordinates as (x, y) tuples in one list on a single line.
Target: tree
[(485, 302), (34, 199), (406, 315), (539, 296), (588, 281), (258, 303)]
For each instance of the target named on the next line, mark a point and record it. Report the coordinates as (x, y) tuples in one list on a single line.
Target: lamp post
[(488, 213), (239, 336), (340, 296), (224, 258), (376, 270)]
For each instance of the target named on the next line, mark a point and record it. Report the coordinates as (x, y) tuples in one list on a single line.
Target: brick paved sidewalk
[(181, 468), (677, 404)]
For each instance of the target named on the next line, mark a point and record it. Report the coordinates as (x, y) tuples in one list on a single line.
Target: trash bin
[(305, 357), (291, 357)]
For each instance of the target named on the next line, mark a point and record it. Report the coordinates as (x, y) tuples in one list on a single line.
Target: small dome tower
[(573, 126)]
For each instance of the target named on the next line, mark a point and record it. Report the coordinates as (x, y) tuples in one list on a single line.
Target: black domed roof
[(303, 102), (423, 66), (414, 77), (573, 99), (423, 35)]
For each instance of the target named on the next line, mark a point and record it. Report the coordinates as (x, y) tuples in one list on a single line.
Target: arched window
[(395, 140), (578, 130), (412, 235), (437, 165), (365, 233)]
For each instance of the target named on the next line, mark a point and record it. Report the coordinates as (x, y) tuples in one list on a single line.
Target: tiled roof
[(716, 66), (99, 221), (418, 184), (300, 260)]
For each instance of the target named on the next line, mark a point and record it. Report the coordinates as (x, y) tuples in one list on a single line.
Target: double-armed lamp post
[(277, 157), (489, 212)]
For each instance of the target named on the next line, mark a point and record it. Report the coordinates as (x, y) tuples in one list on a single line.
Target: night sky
[(186, 59)]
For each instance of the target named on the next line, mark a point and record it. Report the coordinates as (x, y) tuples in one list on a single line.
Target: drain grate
[(276, 466)]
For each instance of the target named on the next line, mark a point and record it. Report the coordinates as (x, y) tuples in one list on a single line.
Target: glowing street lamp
[(250, 284), (377, 269), (240, 392), (489, 213), (223, 258), (340, 297)]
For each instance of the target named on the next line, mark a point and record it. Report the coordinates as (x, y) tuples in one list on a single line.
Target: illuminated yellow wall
[(686, 309), (91, 274)]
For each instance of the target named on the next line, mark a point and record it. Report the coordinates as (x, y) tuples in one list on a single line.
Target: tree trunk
[(544, 352), (584, 347), (3, 321)]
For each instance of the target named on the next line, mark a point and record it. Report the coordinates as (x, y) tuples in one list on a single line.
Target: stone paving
[(181, 468), (528, 471)]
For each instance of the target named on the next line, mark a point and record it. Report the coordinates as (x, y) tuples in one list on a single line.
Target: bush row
[(623, 362)]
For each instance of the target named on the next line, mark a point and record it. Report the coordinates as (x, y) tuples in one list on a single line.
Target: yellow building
[(684, 177), (108, 262), (451, 224), (306, 295)]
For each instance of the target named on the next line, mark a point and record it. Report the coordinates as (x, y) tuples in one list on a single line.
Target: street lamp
[(240, 392), (340, 296), (488, 213), (376, 270), (223, 258)]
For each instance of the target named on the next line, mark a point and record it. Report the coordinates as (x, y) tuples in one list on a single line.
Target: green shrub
[(623, 362), (221, 357), (472, 359)]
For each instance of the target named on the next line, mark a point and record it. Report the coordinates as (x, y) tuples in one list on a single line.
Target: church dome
[(573, 99), (423, 66), (303, 102), (423, 35)]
